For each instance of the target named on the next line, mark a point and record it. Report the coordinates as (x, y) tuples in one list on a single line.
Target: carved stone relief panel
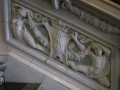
[(60, 42)]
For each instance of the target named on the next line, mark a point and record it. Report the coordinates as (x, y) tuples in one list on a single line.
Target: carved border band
[(91, 19)]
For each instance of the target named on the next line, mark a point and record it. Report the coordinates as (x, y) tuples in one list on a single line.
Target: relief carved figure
[(100, 66), (78, 56), (19, 29)]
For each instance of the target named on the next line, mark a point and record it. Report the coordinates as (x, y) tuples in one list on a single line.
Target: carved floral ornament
[(56, 46), (88, 17)]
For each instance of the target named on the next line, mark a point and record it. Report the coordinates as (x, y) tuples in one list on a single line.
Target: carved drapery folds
[(26, 28), (88, 17)]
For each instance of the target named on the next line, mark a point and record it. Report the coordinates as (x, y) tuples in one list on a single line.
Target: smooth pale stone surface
[(45, 72), (54, 77), (3, 45), (17, 57), (18, 72), (20, 53), (2, 51), (71, 86), (1, 11), (3, 58), (57, 65), (42, 57), (47, 67), (75, 82), (49, 84)]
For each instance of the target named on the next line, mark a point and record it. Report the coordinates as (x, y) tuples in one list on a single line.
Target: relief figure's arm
[(80, 45)]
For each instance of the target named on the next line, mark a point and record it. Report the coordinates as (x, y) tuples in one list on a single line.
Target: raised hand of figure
[(44, 21), (74, 36)]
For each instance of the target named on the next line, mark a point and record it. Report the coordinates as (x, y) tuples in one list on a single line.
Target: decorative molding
[(59, 25), (112, 3)]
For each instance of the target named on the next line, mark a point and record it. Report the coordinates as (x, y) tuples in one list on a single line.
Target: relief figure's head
[(97, 49), (21, 13)]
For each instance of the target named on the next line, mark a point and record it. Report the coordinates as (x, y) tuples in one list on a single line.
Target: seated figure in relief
[(20, 32), (100, 66)]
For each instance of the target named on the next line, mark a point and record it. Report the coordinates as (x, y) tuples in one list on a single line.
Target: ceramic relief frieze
[(71, 48)]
